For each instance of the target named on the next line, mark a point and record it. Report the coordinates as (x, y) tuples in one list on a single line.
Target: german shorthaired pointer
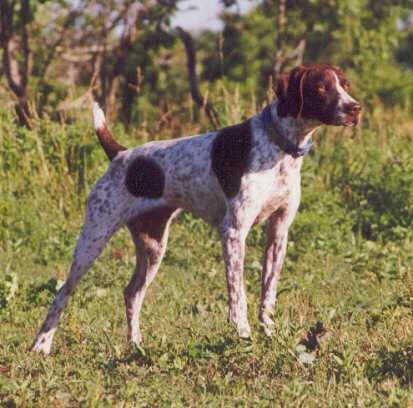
[(233, 178)]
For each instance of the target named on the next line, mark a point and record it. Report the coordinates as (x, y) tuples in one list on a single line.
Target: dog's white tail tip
[(99, 120)]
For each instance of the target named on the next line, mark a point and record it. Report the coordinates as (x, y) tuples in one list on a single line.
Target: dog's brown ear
[(341, 77), (282, 87), (281, 91), (290, 92), (337, 70)]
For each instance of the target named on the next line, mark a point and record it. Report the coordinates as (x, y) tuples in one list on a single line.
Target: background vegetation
[(344, 316)]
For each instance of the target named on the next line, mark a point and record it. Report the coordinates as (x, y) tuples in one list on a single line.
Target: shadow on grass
[(41, 294), (137, 356), (170, 356), (392, 364), (207, 348)]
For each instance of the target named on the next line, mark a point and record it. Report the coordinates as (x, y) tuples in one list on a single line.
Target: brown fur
[(308, 92), (150, 233), (108, 142), (230, 178), (145, 178), (230, 154)]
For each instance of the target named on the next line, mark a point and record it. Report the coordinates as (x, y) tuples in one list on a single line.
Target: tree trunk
[(279, 40), (17, 70), (193, 78)]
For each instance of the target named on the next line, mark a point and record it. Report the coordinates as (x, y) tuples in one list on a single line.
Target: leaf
[(59, 284), (306, 358), (101, 292), (338, 360), (300, 348)]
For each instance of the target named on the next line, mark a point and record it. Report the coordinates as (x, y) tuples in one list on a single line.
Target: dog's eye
[(346, 86)]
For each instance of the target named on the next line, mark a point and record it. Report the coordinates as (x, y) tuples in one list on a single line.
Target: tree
[(48, 45), (193, 78), (15, 18), (362, 36)]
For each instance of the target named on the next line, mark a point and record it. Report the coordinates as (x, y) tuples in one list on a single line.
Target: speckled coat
[(232, 178)]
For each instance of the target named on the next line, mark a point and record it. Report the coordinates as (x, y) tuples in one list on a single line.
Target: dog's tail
[(108, 142)]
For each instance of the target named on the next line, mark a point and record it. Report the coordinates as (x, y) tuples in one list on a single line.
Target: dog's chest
[(276, 189)]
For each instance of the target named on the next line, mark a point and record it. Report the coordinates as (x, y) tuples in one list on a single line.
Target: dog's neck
[(297, 130)]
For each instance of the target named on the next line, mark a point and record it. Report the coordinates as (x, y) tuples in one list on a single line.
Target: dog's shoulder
[(230, 156)]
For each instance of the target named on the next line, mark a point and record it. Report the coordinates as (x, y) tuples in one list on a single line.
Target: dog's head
[(320, 92)]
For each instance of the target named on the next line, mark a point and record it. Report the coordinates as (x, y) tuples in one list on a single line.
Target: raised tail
[(108, 142)]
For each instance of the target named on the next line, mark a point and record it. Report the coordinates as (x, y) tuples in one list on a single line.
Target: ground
[(344, 318)]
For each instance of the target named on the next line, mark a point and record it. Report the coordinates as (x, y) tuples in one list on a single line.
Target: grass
[(344, 319)]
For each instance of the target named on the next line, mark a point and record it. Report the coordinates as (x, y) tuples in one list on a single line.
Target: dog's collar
[(284, 144)]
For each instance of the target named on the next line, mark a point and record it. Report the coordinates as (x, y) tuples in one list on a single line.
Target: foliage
[(138, 65), (361, 36)]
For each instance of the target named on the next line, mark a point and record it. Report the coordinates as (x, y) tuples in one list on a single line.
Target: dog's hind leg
[(102, 221), (150, 235)]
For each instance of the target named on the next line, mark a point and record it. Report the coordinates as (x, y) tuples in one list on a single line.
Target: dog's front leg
[(277, 237), (233, 245)]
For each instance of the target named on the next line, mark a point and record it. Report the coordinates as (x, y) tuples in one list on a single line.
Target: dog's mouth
[(352, 120), (347, 119)]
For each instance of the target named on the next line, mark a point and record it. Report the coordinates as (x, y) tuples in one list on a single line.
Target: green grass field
[(348, 269)]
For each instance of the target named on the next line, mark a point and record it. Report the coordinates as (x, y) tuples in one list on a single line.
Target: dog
[(232, 178)]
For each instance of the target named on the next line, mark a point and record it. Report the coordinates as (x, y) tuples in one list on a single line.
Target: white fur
[(99, 120), (269, 189), (344, 97)]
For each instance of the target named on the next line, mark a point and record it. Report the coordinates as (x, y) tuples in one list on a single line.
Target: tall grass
[(349, 265)]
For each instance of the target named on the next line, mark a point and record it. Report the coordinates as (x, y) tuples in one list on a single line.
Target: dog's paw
[(244, 331), (135, 338), (43, 343), (268, 330), (267, 324)]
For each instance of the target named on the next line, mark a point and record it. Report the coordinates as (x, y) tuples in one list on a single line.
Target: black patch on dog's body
[(230, 156), (145, 178)]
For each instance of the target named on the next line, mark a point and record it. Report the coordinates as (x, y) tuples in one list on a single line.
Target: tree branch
[(193, 78), (6, 33), (25, 17), (279, 39), (17, 74), (69, 20)]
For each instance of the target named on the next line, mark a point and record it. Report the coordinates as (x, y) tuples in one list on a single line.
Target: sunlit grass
[(349, 266)]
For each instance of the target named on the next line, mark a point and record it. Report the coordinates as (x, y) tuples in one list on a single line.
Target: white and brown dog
[(232, 178)]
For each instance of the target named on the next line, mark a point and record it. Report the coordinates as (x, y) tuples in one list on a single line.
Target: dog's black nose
[(353, 108)]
